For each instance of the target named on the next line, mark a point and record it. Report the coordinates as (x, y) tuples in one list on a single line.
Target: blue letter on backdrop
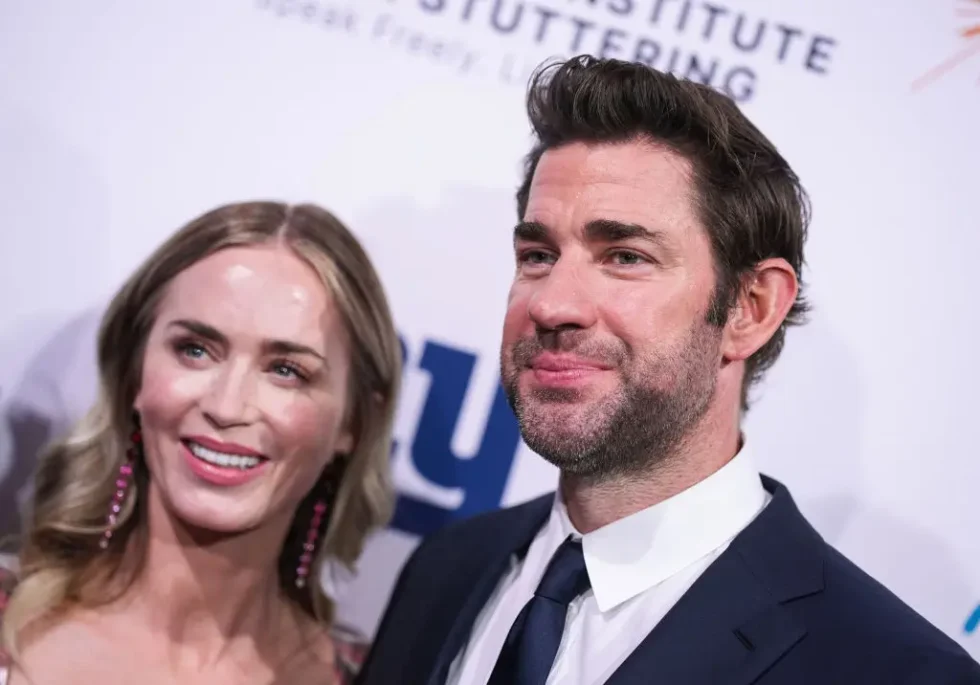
[(972, 621), (482, 477)]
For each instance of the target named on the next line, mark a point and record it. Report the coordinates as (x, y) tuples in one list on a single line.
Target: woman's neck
[(207, 598)]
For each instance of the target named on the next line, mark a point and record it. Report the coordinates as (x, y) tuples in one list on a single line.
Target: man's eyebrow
[(597, 230), (609, 230), (531, 232)]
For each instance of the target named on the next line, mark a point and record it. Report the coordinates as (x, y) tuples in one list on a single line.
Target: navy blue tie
[(532, 643)]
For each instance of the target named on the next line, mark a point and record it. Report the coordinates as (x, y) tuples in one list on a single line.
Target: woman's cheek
[(168, 389), (303, 424)]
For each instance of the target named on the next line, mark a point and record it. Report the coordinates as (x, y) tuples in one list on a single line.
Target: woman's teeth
[(236, 461)]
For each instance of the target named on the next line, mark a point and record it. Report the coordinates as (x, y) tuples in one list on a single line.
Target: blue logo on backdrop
[(972, 622), (721, 46), (482, 476)]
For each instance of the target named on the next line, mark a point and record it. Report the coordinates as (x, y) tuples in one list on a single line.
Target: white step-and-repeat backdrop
[(119, 121)]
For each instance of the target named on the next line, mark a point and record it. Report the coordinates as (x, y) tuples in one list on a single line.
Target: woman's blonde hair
[(61, 563)]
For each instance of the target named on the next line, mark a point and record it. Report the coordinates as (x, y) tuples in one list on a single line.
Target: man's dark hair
[(747, 196)]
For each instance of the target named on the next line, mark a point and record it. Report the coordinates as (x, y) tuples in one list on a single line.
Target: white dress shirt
[(638, 566)]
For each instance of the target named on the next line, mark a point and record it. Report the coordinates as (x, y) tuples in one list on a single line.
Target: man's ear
[(764, 299)]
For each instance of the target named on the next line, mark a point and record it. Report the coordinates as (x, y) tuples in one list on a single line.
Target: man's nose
[(563, 298)]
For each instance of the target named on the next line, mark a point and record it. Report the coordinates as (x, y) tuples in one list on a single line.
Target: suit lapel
[(733, 623), (725, 629), (514, 538)]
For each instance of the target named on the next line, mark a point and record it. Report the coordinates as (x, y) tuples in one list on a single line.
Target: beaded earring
[(316, 521), (123, 480), (309, 546)]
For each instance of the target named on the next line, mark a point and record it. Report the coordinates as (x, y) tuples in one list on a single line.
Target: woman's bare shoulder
[(54, 650)]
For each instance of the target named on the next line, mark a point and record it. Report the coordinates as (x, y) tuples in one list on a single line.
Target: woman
[(241, 438)]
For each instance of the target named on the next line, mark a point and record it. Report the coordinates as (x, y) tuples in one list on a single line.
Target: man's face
[(607, 355)]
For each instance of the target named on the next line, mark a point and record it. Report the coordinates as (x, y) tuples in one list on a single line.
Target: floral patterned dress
[(350, 648)]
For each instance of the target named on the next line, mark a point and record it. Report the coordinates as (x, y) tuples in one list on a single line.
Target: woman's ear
[(347, 440), (345, 443)]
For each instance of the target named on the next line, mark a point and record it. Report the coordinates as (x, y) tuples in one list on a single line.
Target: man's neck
[(596, 502), (207, 598)]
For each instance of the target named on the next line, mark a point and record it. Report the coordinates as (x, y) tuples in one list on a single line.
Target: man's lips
[(565, 363), (564, 370)]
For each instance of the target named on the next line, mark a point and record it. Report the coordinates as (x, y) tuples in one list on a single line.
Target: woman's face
[(244, 389)]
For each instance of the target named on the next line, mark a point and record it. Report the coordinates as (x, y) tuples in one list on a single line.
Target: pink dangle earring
[(323, 503), (309, 547), (123, 481)]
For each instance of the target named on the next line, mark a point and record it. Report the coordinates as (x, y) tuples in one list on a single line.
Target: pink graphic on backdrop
[(970, 33)]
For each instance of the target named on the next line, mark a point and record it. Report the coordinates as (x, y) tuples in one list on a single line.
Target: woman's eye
[(288, 372), (192, 350)]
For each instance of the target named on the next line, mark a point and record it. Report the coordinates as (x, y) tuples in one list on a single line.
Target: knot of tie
[(566, 576)]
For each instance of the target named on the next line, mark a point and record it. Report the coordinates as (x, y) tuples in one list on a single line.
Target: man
[(658, 262)]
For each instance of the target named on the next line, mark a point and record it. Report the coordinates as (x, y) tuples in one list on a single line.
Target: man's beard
[(631, 430)]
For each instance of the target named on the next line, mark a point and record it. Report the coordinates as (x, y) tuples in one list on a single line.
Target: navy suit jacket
[(779, 606)]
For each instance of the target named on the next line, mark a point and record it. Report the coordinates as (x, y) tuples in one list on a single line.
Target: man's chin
[(572, 452), (552, 412), (559, 425)]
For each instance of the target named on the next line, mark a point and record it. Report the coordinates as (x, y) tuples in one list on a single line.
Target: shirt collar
[(635, 553)]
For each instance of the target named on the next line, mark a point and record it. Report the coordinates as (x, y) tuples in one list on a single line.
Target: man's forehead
[(632, 163), (595, 193)]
